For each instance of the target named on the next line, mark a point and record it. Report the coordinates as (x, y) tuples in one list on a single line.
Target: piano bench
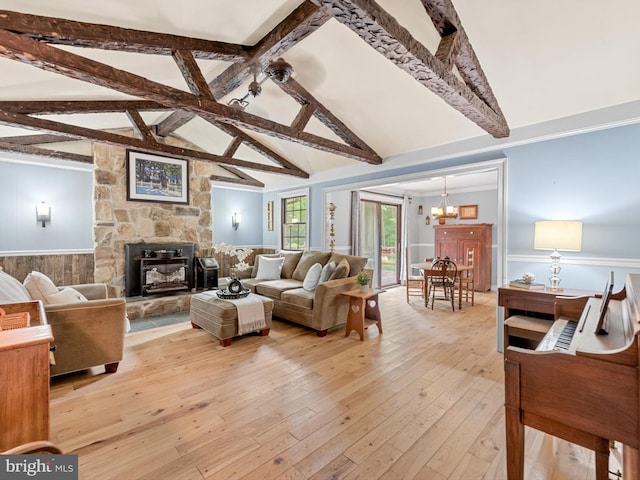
[(525, 332)]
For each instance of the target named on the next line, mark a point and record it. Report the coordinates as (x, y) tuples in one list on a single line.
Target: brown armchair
[(86, 333)]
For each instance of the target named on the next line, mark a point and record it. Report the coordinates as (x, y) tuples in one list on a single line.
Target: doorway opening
[(380, 227)]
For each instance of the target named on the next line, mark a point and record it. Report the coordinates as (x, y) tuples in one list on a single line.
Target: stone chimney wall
[(118, 221)]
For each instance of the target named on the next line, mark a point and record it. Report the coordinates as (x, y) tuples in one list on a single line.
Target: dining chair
[(442, 276), (415, 280), (466, 278)]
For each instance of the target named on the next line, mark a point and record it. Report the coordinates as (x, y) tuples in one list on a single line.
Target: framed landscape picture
[(468, 212), (157, 179)]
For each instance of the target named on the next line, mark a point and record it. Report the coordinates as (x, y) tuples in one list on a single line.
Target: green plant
[(363, 278)]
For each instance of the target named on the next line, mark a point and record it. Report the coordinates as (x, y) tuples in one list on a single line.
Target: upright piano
[(584, 387)]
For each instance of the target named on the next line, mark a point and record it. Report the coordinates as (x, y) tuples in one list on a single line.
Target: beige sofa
[(86, 333), (321, 308)]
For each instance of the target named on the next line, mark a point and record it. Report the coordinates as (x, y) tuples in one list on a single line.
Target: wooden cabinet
[(24, 379), (454, 241)]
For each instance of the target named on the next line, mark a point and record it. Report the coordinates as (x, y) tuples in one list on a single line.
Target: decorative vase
[(364, 288)]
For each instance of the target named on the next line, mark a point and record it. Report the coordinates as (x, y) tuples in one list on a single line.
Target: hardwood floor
[(424, 400)]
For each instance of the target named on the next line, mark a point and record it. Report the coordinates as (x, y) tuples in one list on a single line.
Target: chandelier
[(444, 210)]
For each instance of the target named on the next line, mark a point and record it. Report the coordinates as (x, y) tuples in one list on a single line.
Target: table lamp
[(557, 235)]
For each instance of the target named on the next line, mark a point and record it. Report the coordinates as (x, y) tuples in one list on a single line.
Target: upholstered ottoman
[(220, 317)]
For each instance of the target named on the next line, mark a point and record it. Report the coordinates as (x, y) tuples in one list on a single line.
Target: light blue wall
[(224, 202), (70, 194), (591, 177)]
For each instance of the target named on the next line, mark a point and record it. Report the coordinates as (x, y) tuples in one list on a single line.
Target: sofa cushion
[(40, 286), (341, 271), (269, 268), (327, 270), (356, 264), (256, 262), (308, 259), (291, 260), (312, 277), (11, 290), (66, 295), (298, 296), (274, 288)]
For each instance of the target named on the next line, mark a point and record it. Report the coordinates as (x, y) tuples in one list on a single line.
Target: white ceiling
[(545, 60)]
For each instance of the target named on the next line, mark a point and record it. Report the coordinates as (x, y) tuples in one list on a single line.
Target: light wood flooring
[(423, 400)]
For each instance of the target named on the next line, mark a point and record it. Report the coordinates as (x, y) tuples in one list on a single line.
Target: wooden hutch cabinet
[(454, 241)]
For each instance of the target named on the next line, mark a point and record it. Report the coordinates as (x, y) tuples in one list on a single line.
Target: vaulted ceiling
[(370, 80)]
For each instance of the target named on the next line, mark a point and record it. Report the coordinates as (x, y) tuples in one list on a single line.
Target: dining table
[(427, 271)]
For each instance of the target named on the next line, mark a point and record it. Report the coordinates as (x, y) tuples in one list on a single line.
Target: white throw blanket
[(250, 313)]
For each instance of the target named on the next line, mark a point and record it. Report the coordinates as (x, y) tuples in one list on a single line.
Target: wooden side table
[(364, 310)]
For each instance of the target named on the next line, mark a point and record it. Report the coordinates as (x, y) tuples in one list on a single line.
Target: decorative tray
[(227, 295)]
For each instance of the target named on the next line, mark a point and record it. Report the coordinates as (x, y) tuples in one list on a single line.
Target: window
[(294, 222)]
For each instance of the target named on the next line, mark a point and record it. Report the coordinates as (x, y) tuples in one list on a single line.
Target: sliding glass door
[(380, 240)]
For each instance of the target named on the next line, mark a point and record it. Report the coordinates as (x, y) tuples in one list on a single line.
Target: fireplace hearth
[(158, 268)]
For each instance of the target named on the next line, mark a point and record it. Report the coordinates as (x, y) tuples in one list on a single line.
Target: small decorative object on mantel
[(363, 280)]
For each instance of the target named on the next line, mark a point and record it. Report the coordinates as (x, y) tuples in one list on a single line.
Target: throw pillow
[(256, 262), (308, 259), (312, 277), (327, 270), (269, 268), (291, 260), (341, 271), (39, 286), (11, 290), (66, 295)]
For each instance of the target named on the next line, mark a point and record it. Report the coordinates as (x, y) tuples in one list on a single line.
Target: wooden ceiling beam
[(304, 115), (381, 31), (44, 107), (303, 97), (140, 127), (192, 73), (74, 66), (252, 182), (35, 123), (44, 152), (304, 20), (81, 34), (59, 107), (446, 21), (40, 138)]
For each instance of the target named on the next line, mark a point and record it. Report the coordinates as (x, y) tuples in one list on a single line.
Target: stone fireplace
[(158, 268), (118, 222)]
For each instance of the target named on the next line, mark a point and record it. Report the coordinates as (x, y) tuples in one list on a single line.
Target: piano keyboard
[(564, 340)]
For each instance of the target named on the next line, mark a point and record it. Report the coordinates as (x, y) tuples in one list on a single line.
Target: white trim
[(31, 253), (566, 260)]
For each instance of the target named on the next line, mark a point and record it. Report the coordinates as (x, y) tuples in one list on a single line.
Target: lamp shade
[(558, 235)]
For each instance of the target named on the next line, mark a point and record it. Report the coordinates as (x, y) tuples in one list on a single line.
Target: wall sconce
[(419, 209), (43, 213), (235, 221)]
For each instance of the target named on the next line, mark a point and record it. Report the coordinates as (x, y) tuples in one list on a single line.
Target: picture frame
[(468, 212), (153, 178), (270, 216)]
